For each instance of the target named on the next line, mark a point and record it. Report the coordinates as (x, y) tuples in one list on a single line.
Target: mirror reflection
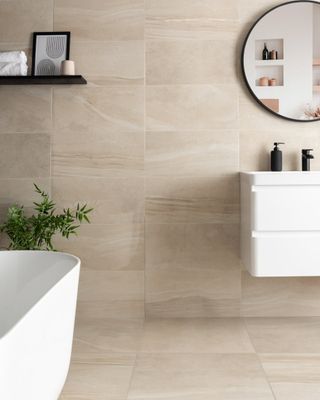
[(281, 60)]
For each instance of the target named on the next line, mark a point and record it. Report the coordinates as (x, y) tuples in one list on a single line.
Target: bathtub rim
[(76, 265)]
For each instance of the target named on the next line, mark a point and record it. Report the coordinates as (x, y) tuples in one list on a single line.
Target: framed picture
[(49, 49)]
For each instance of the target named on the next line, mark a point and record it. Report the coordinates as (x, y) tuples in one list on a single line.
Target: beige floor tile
[(199, 377), (110, 63), (292, 297), (184, 154), (293, 376), (107, 247), (106, 341), (193, 199), (24, 156), (115, 200), (191, 107), (284, 335), (100, 20), (221, 335), (97, 382), (199, 66), (18, 105)]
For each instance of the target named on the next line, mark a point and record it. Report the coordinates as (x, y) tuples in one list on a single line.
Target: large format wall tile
[(189, 19), (290, 296), (115, 200), (25, 109), (199, 376), (24, 156), (191, 107), (204, 153), (190, 62), (192, 270), (108, 247), (20, 18), (114, 62), (100, 20), (212, 199), (111, 294)]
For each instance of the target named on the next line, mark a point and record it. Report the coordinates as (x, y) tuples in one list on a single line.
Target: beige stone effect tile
[(24, 156), (190, 62), (111, 294), (284, 335), (211, 247), (116, 109), (291, 297), (106, 341), (21, 192), (191, 107), (19, 18), (110, 63), (255, 147), (192, 270), (25, 109), (248, 13), (190, 153), (100, 20), (293, 376), (107, 247), (115, 200), (97, 382), (199, 377), (221, 335), (189, 19), (106, 138), (193, 199)]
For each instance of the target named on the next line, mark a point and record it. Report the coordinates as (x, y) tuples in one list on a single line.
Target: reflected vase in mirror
[(281, 60)]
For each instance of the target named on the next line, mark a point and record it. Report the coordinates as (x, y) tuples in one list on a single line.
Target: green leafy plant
[(36, 232)]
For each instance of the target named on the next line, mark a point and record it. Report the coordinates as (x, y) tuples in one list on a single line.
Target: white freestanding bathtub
[(38, 292)]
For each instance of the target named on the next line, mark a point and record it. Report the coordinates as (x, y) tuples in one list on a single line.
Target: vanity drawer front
[(286, 254), (292, 208)]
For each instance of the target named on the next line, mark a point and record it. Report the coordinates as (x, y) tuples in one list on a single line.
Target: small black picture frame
[(49, 50)]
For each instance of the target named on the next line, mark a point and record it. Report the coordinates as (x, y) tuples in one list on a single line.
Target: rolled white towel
[(13, 56), (13, 69)]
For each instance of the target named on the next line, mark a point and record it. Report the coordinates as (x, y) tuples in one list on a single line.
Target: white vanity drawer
[(285, 254), (286, 208)]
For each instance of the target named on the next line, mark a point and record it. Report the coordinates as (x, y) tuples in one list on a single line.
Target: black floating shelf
[(43, 80)]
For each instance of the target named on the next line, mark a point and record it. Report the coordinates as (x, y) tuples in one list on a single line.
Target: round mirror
[(281, 60)]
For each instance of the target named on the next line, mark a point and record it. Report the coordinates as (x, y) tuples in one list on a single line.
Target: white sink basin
[(280, 223)]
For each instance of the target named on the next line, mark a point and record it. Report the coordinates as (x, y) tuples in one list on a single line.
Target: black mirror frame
[(242, 61)]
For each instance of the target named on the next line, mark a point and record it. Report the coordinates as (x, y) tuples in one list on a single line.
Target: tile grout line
[(257, 354)]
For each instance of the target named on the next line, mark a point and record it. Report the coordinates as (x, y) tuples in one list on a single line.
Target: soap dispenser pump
[(276, 158)]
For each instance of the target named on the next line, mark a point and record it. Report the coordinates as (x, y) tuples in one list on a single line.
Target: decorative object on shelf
[(67, 67), (312, 112), (273, 55), (272, 82), (265, 52), (264, 81), (13, 63), (49, 50)]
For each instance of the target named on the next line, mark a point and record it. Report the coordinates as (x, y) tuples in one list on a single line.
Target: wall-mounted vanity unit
[(280, 223)]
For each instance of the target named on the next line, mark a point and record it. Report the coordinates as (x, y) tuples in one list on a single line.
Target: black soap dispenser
[(276, 158)]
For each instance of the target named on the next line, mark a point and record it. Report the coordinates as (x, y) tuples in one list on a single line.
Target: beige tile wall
[(154, 143)]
